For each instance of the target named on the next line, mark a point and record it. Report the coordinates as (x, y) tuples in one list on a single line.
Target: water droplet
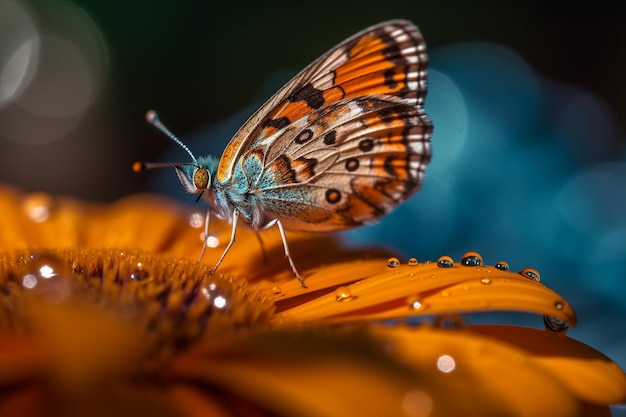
[(413, 262), (196, 220), (47, 276), (485, 280), (393, 262), (449, 321), (558, 305), (446, 363), (48, 265), (472, 259), (415, 303), (502, 266), (220, 301), (531, 273), (343, 293), (215, 294), (38, 206), (555, 324), (277, 291), (445, 262), (211, 242), (139, 273)]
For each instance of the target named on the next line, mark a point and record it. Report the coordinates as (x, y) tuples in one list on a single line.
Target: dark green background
[(197, 62)]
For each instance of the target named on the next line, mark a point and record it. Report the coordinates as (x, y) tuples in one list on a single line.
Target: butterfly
[(339, 146)]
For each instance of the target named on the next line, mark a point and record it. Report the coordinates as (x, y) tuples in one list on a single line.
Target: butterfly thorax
[(223, 197), (218, 204), (244, 191)]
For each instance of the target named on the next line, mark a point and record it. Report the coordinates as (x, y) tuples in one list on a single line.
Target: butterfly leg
[(286, 246), (230, 244)]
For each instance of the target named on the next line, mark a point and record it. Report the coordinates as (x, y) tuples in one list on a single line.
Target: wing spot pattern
[(366, 145), (304, 136), (333, 196), (330, 138)]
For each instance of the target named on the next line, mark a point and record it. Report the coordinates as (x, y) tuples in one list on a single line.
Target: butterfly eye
[(201, 178)]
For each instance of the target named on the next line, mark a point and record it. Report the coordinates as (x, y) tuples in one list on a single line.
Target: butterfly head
[(195, 176)]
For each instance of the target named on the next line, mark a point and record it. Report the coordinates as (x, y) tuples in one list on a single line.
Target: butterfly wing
[(341, 144)]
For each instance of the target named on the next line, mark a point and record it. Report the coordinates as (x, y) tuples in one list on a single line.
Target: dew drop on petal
[(555, 324), (48, 277), (214, 294), (393, 262), (38, 206), (485, 280), (343, 293), (415, 303), (212, 242), (29, 281), (48, 265), (502, 266), (449, 321), (220, 301), (277, 291), (472, 259), (139, 273), (196, 220), (558, 305), (446, 363), (413, 262), (445, 262), (531, 273)]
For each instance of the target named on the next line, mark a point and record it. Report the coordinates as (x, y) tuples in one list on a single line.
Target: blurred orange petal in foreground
[(104, 311)]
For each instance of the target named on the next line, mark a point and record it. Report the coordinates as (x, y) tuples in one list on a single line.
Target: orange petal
[(586, 372), (444, 372), (310, 375), (530, 378), (371, 290)]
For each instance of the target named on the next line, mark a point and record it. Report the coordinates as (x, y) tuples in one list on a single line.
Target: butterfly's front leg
[(230, 244), (286, 246)]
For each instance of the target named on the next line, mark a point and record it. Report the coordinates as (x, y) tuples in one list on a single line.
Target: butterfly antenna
[(144, 166), (153, 118)]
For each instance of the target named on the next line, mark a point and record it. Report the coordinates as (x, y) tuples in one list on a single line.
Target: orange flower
[(104, 310)]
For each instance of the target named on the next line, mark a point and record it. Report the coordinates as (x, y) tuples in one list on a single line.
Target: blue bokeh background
[(528, 100)]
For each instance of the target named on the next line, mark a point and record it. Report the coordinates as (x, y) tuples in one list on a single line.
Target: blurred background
[(528, 99)]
